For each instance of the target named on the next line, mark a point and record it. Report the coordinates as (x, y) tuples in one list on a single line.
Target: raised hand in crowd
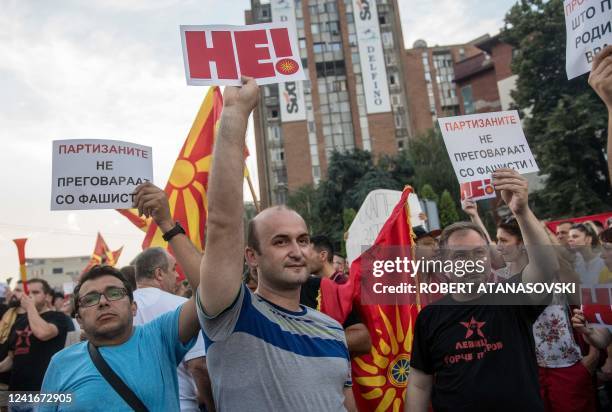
[(543, 263), (598, 337), (600, 80)]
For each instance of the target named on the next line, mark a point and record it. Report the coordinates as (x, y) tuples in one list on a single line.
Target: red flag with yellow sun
[(188, 182), (380, 378), (102, 255)]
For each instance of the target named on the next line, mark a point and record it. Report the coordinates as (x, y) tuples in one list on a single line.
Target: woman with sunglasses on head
[(583, 240)]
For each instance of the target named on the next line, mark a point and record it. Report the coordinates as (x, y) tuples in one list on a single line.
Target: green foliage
[(428, 193), (305, 201), (447, 209), (566, 122), (431, 163)]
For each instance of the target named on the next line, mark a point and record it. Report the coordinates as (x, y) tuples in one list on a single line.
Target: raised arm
[(600, 80), (470, 208), (151, 201), (221, 268), (598, 337), (42, 329), (543, 263)]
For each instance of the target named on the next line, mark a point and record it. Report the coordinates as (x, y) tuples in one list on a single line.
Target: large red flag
[(188, 182), (102, 255), (380, 377)]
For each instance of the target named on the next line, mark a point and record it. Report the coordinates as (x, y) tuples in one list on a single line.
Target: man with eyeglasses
[(470, 351), (144, 357)]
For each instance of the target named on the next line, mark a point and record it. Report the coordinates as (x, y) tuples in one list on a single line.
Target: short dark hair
[(565, 222), (597, 223), (129, 272), (511, 226), (57, 295), (340, 255), (97, 272), (459, 227), (322, 243), (588, 230), (45, 285), (148, 260)]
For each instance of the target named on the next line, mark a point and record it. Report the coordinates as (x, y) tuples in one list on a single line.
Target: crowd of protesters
[(244, 329)]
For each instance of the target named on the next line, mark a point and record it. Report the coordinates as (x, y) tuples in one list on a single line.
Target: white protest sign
[(477, 144), (68, 288), (219, 55), (370, 218), (415, 210), (589, 30), (291, 94), (97, 174)]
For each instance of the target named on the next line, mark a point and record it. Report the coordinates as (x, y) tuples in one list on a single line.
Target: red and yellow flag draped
[(20, 243), (380, 378), (102, 255), (140, 222), (188, 182)]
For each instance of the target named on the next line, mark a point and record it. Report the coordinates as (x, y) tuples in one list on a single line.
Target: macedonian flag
[(102, 255), (188, 182), (380, 378)]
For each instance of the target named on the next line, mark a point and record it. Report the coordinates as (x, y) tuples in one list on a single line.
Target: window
[(382, 19), (314, 28), (333, 27), (468, 99), (58, 271), (387, 38), (318, 47), (392, 79)]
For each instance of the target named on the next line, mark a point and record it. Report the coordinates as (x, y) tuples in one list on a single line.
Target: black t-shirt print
[(482, 357), (31, 356)]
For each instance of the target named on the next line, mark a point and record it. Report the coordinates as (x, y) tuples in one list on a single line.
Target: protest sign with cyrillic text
[(220, 55), (97, 174), (478, 144), (589, 30)]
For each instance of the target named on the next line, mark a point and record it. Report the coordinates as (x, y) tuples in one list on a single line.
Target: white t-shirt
[(589, 271), (153, 302)]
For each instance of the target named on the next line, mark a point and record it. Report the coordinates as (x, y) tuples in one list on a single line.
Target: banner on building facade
[(290, 94), (373, 71)]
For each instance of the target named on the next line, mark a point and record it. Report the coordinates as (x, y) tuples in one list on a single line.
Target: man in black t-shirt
[(35, 337), (320, 264), (471, 352)]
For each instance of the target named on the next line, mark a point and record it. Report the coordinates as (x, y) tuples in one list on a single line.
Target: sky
[(113, 69)]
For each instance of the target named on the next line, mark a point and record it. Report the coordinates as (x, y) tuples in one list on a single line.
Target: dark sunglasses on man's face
[(111, 293)]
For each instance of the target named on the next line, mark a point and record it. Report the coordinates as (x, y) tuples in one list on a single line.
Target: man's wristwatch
[(173, 232)]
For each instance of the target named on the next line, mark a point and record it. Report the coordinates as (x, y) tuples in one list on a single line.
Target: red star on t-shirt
[(472, 326)]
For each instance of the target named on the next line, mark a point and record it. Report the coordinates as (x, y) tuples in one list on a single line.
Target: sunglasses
[(111, 293)]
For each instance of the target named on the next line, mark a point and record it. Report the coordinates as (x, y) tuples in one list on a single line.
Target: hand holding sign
[(600, 78), (151, 201), (513, 189)]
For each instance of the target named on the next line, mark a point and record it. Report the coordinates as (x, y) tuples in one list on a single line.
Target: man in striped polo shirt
[(265, 351)]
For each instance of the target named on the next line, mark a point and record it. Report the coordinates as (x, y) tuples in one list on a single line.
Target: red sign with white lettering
[(477, 190), (219, 55)]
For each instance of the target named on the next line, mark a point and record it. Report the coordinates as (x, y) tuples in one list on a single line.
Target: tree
[(427, 153), (305, 201), (565, 122), (447, 209), (428, 193)]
